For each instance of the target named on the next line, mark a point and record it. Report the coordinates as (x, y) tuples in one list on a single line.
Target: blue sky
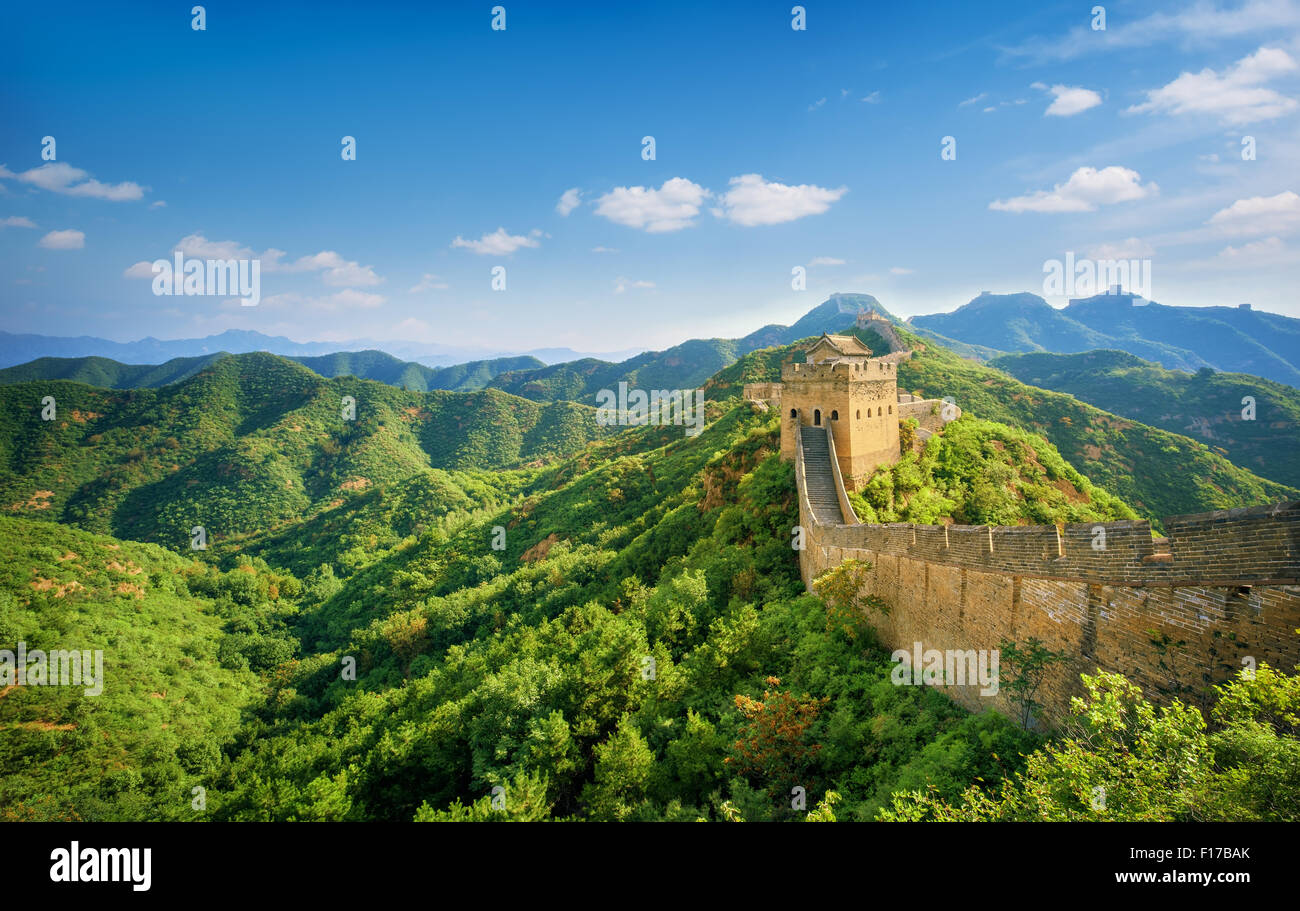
[(775, 148)]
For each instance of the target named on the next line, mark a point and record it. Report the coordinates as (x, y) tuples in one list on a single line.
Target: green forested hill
[(1156, 472), (108, 373), (1205, 405), (370, 365), (251, 443)]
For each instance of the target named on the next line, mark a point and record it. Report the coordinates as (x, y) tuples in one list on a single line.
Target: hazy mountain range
[(20, 348), (681, 366), (1237, 339)]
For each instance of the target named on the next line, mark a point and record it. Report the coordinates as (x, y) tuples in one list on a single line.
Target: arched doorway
[(817, 417)]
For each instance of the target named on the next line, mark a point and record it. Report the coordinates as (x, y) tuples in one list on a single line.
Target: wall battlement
[(1257, 545), (858, 369)]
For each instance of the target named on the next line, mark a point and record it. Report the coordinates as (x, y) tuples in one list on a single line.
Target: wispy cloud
[(569, 201), (499, 242), (1199, 23), (622, 284), (428, 282), (59, 177)]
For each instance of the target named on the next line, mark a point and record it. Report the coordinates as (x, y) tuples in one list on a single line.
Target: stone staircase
[(819, 478)]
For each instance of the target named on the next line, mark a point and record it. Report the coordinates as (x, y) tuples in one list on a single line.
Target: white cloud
[(899, 270), (59, 177), (428, 282), (158, 204), (142, 269), (1086, 189), (1278, 214), (1129, 248), (873, 98), (199, 247), (569, 201), (17, 221), (816, 104), (669, 208), (1270, 251), (603, 250), (63, 240), (1237, 97), (498, 243), (754, 201), (980, 97), (349, 298), (1068, 100), (335, 269), (622, 284), (826, 261)]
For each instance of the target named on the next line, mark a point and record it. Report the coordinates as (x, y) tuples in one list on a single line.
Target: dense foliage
[(981, 473), (521, 616), (1251, 421)]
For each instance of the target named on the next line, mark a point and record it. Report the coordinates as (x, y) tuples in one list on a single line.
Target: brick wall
[(1174, 619)]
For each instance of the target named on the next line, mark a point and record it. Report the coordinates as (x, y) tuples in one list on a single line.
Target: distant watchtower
[(842, 387)]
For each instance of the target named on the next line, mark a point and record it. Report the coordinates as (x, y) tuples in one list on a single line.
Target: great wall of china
[(1174, 615)]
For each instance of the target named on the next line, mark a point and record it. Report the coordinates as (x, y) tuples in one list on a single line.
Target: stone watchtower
[(842, 387)]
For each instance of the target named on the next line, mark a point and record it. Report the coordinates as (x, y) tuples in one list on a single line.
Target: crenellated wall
[(1174, 616)]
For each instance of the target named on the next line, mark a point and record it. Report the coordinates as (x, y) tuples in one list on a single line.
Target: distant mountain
[(1236, 339), (376, 365), (1205, 405), (684, 366), (19, 349), (370, 365)]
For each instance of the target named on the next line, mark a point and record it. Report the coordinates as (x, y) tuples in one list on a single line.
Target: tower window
[(817, 417), (891, 409), (794, 412), (835, 415), (859, 414)]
